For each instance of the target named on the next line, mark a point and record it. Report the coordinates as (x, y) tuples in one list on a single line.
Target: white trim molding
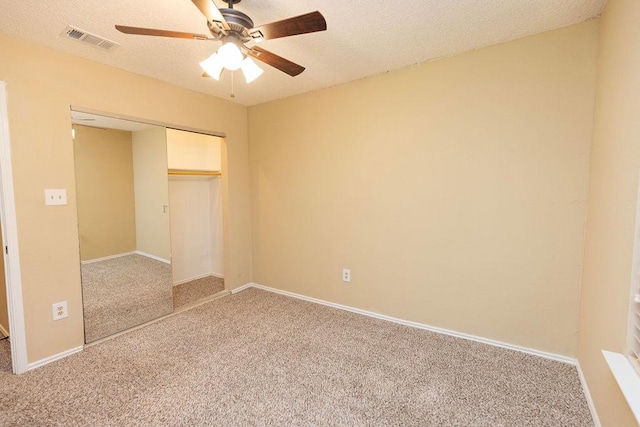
[(627, 378), (147, 121), (181, 282), (105, 258), (247, 286), (55, 357), (157, 258), (10, 239), (587, 395), (202, 276), (534, 352)]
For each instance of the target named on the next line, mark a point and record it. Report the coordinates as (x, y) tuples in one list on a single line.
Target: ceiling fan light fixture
[(235, 29), (213, 66), (250, 70), (231, 56)]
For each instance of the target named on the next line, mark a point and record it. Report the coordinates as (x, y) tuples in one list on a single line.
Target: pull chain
[(233, 94)]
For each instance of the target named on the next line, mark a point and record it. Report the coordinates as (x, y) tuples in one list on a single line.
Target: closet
[(195, 199), (149, 203), (122, 197)]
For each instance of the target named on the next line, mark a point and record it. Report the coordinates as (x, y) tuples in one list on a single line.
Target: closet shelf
[(191, 172)]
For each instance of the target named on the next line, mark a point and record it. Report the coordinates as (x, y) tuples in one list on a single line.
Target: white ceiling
[(363, 37)]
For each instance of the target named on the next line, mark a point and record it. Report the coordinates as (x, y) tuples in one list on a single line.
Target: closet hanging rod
[(194, 172)]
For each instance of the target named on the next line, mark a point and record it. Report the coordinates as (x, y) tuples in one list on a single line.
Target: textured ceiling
[(363, 37)]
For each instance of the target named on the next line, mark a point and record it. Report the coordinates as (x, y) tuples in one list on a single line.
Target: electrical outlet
[(55, 196), (60, 310), (346, 275)]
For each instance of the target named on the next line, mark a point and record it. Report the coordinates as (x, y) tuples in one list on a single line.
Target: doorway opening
[(11, 259)]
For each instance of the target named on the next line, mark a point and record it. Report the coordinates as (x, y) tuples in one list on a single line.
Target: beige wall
[(41, 86), (456, 186), (454, 190), (104, 185), (151, 186), (615, 165)]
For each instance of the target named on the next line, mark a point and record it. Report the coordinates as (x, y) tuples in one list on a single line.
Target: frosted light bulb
[(213, 66), (231, 56), (250, 70)]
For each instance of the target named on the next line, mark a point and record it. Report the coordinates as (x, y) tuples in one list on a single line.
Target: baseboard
[(4, 332), (104, 258), (157, 258), (218, 275), (243, 287), (531, 351), (180, 282), (53, 358), (587, 395)]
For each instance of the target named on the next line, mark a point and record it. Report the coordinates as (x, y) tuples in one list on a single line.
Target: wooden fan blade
[(309, 23), (160, 33), (211, 12), (275, 61)]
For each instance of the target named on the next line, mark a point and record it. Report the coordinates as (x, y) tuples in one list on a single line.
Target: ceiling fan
[(235, 29)]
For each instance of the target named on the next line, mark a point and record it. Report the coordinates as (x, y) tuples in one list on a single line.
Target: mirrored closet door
[(139, 263), (123, 223)]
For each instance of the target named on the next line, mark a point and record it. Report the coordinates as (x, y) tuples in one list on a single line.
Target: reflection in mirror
[(128, 176), (123, 223)]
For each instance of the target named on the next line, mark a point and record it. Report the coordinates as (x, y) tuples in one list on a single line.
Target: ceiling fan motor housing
[(233, 16), (239, 24)]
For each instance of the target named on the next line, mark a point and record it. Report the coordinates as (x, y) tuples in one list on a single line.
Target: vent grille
[(88, 38), (75, 34)]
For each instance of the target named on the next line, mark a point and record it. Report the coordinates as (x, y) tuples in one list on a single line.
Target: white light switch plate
[(55, 196)]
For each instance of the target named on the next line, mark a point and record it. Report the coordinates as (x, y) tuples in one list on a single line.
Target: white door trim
[(10, 240)]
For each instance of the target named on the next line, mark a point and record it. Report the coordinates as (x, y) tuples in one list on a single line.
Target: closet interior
[(195, 194)]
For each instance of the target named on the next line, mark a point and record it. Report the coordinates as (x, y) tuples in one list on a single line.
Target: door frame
[(13, 278)]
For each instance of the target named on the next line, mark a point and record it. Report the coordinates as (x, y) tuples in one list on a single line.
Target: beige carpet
[(195, 290), (123, 292), (260, 359), (5, 359)]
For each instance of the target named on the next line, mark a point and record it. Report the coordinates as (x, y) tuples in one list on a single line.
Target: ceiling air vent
[(88, 38)]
